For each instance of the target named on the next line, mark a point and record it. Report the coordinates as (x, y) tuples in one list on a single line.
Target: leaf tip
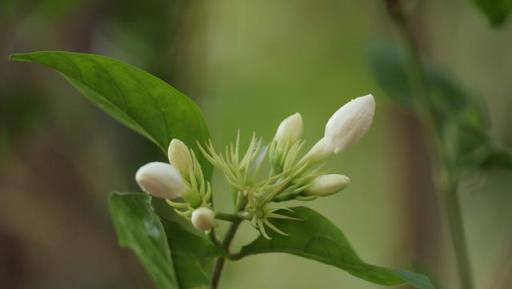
[(18, 57)]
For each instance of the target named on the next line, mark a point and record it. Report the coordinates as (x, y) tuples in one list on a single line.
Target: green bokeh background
[(248, 64)]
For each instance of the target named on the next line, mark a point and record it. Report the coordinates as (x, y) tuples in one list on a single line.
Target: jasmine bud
[(160, 180), (350, 122), (290, 129), (327, 185), (203, 219), (320, 151), (179, 157)]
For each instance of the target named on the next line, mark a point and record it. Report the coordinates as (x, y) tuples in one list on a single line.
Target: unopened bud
[(160, 180), (203, 219), (350, 122), (327, 185), (320, 151), (179, 157), (290, 129)]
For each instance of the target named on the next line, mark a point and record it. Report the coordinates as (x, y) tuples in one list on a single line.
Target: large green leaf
[(496, 10), (172, 252), (315, 237), (140, 229), (134, 97)]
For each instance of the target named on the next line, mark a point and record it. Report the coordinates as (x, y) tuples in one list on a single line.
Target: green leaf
[(496, 10), (140, 229), (493, 157), (459, 117), (193, 256), (173, 253), (132, 96), (315, 237), (192, 253), (388, 64)]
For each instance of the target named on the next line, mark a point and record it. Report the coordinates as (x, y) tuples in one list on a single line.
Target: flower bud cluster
[(181, 183), (291, 176)]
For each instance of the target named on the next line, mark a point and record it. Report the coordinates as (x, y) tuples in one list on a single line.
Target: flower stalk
[(446, 180)]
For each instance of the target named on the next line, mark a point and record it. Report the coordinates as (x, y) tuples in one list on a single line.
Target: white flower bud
[(290, 129), (350, 122), (203, 219), (179, 157), (320, 151), (160, 180), (327, 185)]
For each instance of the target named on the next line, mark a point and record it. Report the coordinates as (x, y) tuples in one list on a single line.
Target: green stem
[(226, 242), (447, 181), (227, 217), (220, 261), (454, 214)]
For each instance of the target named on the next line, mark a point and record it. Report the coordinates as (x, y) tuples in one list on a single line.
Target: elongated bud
[(349, 123), (160, 180), (179, 157), (203, 219), (320, 151), (327, 185), (290, 129)]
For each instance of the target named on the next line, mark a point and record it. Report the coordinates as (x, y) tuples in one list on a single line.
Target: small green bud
[(327, 185), (203, 219)]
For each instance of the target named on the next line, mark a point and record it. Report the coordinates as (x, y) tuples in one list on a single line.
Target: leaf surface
[(497, 11), (315, 237), (174, 255), (130, 95), (140, 229)]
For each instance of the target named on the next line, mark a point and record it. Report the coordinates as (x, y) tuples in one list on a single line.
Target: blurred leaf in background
[(496, 10), (459, 116)]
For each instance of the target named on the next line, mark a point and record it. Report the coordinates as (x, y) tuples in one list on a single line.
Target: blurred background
[(248, 64)]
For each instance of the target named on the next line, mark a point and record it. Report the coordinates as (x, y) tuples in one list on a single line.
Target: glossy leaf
[(132, 96), (496, 10), (192, 253), (315, 237), (140, 229), (193, 256), (174, 254)]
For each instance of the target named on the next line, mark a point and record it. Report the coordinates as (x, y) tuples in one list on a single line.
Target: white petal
[(160, 180), (179, 157), (326, 185), (290, 129), (320, 151), (349, 123)]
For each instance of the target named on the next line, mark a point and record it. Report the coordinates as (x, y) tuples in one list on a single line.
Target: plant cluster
[(258, 196), (171, 227)]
